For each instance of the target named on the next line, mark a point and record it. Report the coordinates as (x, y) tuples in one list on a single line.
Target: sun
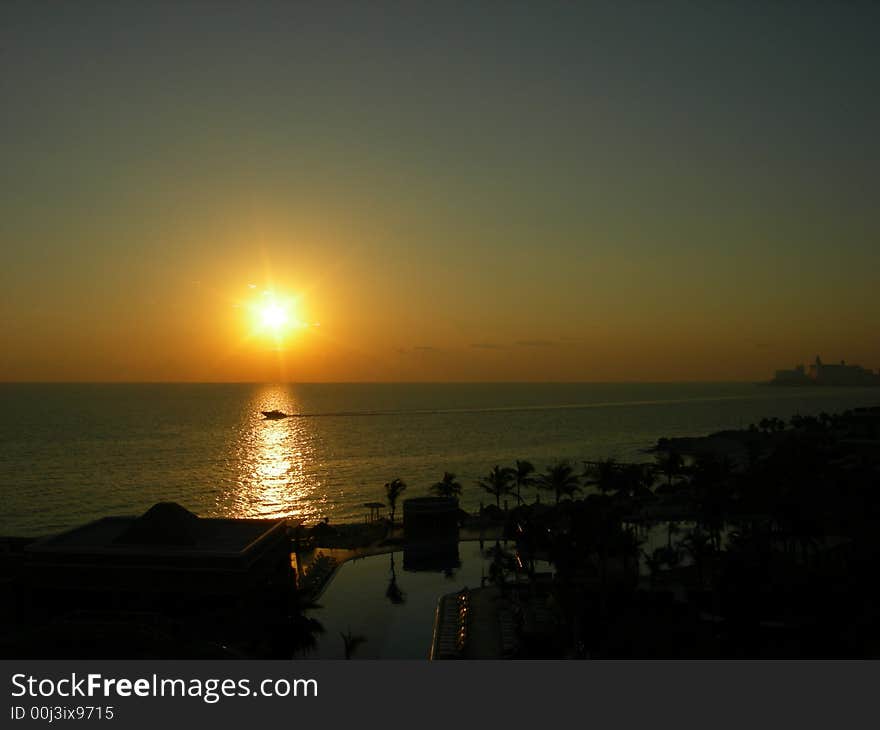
[(274, 317)]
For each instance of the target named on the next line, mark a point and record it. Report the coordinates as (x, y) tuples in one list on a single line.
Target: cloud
[(425, 348), (488, 346), (534, 343)]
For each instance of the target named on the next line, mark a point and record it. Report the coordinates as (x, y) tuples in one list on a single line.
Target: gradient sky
[(454, 191)]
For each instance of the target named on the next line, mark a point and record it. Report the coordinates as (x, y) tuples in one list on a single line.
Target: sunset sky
[(448, 191)]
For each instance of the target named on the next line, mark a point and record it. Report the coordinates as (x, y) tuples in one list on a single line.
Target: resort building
[(227, 576), (430, 530), (430, 519)]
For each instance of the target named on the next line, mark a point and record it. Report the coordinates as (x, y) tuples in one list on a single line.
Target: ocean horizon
[(73, 452)]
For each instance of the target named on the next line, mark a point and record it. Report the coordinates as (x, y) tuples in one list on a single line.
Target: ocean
[(75, 452)]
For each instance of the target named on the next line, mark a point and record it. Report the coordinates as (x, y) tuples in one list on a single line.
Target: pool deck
[(490, 633), (484, 633)]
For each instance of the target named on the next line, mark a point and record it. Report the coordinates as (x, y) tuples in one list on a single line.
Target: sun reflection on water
[(272, 462)]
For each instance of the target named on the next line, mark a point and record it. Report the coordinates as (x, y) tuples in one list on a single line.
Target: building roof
[(430, 503), (164, 528), (165, 523)]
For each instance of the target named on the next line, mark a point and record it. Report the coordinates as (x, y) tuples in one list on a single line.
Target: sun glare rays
[(266, 322), (271, 317)]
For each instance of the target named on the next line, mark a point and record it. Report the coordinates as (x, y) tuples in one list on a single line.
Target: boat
[(274, 415)]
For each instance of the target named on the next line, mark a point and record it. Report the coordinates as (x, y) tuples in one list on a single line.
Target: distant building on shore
[(820, 373), (795, 376)]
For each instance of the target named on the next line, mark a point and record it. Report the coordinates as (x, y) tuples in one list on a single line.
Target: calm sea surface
[(70, 453)]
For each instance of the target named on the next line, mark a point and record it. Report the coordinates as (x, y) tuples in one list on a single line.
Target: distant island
[(821, 374)]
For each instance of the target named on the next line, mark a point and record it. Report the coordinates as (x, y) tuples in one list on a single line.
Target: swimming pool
[(390, 605)]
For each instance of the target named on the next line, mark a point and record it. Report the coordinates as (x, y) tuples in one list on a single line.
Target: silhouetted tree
[(522, 477), (303, 630), (393, 490), (771, 425), (447, 486), (670, 464), (711, 483), (628, 545), (497, 483), (635, 480), (698, 545), (603, 474), (560, 479)]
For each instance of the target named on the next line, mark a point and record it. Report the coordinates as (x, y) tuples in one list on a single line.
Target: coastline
[(210, 450), (725, 493)]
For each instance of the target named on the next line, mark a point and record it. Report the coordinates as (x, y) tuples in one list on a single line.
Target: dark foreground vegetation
[(772, 538)]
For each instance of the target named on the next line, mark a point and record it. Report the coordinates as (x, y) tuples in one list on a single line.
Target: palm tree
[(629, 545), (302, 631), (522, 478), (712, 486), (351, 642), (447, 486), (393, 490), (560, 479), (603, 474), (670, 464), (635, 479), (497, 483), (698, 545)]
